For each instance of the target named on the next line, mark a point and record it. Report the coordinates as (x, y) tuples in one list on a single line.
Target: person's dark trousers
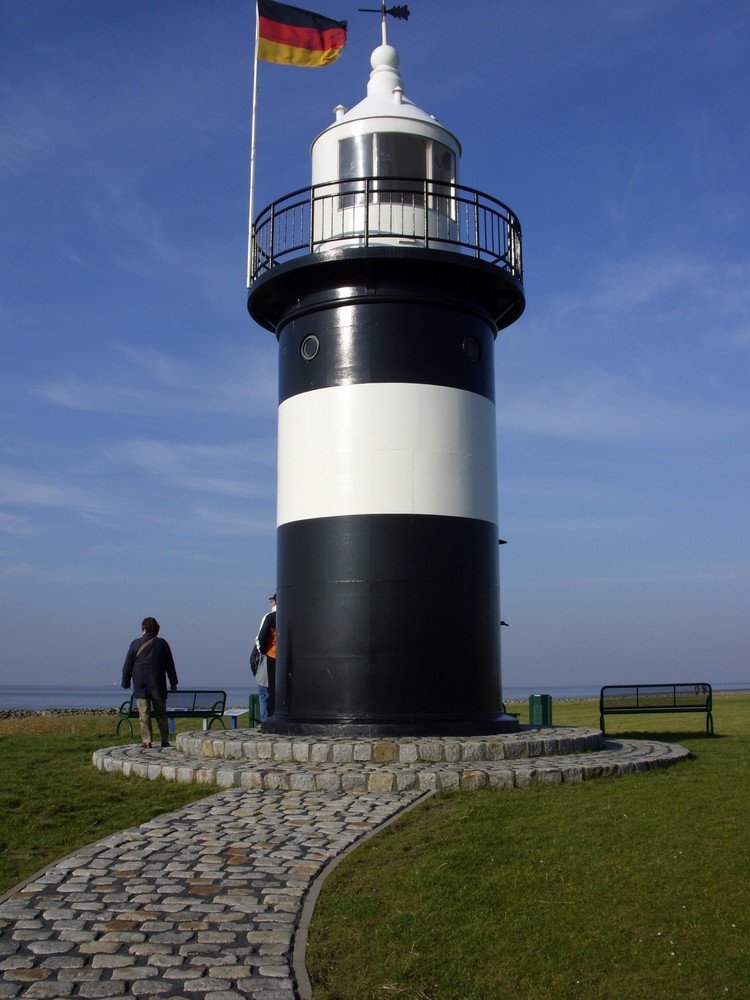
[(271, 684), (146, 708)]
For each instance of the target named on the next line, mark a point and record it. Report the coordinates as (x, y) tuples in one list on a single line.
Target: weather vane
[(401, 12)]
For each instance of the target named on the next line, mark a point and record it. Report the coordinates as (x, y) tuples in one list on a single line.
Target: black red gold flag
[(297, 37)]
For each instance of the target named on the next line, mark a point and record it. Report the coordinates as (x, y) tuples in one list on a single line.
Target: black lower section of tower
[(377, 635)]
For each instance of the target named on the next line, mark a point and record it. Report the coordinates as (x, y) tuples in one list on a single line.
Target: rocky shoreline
[(23, 713)]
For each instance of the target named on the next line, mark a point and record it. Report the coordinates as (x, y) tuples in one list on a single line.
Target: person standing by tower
[(149, 663), (265, 644)]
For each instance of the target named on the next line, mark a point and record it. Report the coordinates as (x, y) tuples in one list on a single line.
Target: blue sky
[(138, 400)]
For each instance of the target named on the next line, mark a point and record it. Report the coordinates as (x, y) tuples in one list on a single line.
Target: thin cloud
[(25, 489), (18, 526), (224, 469), (151, 381), (713, 574), (221, 522), (596, 406), (653, 289), (149, 241), (680, 340), (95, 95)]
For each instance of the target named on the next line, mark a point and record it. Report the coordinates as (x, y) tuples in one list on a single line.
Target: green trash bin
[(540, 710), (254, 710)]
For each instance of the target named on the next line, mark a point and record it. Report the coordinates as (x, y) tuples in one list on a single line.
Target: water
[(37, 698)]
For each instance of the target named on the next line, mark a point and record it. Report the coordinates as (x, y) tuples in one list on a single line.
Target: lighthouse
[(386, 283)]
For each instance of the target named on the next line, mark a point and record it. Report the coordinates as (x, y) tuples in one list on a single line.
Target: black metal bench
[(656, 699), (182, 704)]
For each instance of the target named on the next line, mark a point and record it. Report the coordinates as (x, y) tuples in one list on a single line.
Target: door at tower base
[(366, 650)]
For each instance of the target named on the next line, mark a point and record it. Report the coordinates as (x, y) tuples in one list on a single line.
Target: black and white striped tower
[(385, 283)]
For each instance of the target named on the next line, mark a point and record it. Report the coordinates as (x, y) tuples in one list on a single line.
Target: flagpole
[(252, 148)]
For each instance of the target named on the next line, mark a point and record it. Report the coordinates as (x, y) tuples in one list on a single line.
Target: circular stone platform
[(250, 759)]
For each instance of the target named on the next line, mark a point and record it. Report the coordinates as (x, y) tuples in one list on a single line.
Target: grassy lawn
[(632, 887), (53, 800)]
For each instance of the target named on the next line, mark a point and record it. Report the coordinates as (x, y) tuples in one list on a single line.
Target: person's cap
[(272, 598)]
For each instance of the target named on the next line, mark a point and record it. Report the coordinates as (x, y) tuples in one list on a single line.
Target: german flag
[(297, 37)]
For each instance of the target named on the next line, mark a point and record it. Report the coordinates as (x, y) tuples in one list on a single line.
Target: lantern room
[(387, 169)]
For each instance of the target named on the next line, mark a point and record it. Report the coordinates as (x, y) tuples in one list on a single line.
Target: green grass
[(633, 887), (54, 801)]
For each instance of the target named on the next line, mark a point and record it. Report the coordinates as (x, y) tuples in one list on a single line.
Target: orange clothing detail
[(271, 651)]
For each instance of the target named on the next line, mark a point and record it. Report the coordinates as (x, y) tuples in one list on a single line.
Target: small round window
[(309, 347), (472, 348)]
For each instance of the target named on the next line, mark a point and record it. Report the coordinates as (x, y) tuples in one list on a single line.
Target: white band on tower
[(387, 448)]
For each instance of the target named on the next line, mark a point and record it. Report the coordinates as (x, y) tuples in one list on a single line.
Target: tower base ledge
[(474, 725)]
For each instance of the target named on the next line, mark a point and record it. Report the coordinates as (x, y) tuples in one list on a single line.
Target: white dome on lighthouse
[(385, 94)]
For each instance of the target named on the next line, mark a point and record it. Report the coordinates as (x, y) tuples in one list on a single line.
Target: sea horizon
[(38, 698)]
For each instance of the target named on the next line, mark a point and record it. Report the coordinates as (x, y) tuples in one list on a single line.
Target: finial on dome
[(385, 77), (385, 57)]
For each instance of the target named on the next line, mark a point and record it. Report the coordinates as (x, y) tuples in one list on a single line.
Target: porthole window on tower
[(309, 347), (472, 348)]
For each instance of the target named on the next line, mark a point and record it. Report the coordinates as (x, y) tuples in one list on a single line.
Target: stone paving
[(212, 900), (250, 759)]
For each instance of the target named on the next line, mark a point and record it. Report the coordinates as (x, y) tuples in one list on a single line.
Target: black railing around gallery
[(386, 211)]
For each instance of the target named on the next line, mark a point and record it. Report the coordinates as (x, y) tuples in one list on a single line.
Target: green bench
[(656, 699), (182, 704)]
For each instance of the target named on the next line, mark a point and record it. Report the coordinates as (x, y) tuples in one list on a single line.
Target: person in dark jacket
[(149, 664), (265, 644)]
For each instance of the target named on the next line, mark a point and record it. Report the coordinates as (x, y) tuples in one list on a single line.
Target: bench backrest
[(197, 701), (656, 696), (186, 701)]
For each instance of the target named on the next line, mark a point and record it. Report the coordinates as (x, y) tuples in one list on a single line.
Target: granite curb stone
[(249, 759)]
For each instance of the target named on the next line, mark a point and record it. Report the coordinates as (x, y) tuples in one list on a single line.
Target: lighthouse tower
[(386, 282)]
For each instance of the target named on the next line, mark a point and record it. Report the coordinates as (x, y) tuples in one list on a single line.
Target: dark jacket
[(150, 670)]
